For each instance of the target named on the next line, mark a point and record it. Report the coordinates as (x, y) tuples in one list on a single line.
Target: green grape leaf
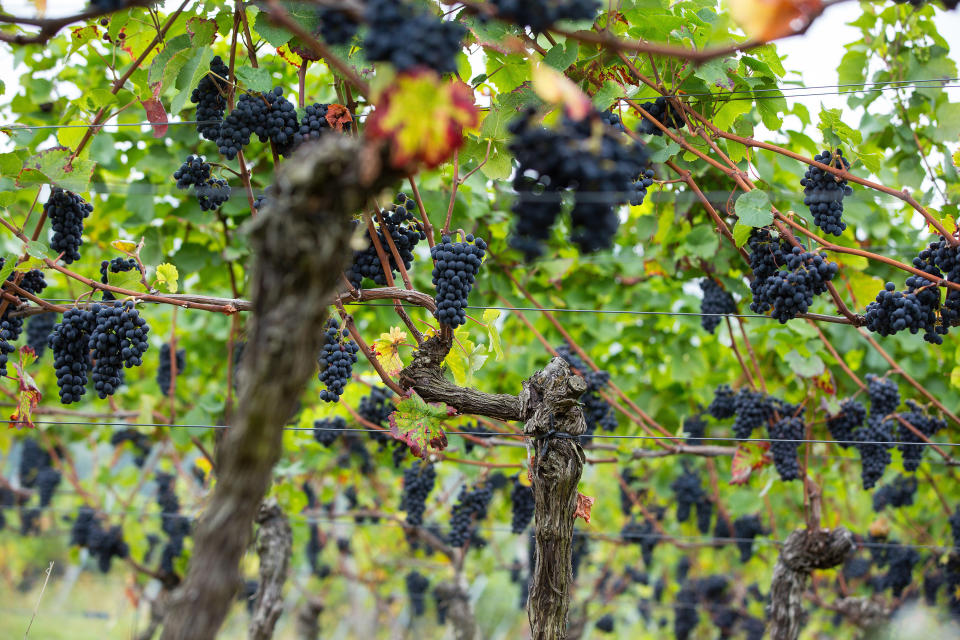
[(202, 31), (489, 318), (562, 55), (190, 75), (605, 97), (167, 275), (258, 79), (805, 367), (715, 72), (54, 165), (419, 425), (167, 64), (753, 209), (8, 267), (835, 131), (38, 249)]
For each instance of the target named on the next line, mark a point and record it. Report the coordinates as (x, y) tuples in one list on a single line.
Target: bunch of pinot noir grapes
[(337, 357), (911, 445), (164, 370), (599, 171), (39, 328), (784, 435), (841, 426), (522, 503), (471, 507), (336, 26), (418, 481), (538, 15), (664, 113), (269, 115), (210, 97), (70, 342), (824, 193), (455, 269), (407, 37), (118, 340), (715, 301), (327, 430), (66, 211), (399, 227)]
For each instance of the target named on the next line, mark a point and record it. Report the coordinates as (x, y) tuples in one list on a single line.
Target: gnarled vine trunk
[(274, 546), (302, 244), (803, 551), (549, 406)]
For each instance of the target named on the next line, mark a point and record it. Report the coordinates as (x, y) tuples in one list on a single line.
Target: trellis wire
[(341, 519), (487, 434), (787, 92)]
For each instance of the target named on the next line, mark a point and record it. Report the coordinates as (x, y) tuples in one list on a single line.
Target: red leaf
[(337, 116), (157, 114), (748, 456), (29, 394), (584, 505)]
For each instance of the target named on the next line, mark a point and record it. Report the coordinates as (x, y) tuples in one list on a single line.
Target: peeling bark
[(803, 551), (301, 243), (866, 613), (425, 376), (459, 612), (549, 404), (274, 546)]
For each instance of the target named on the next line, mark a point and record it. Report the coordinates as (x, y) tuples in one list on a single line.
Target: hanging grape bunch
[(403, 230), (599, 170), (269, 115), (538, 15), (455, 269), (118, 340), (66, 211), (394, 25), (824, 193), (210, 97), (337, 357), (715, 301), (664, 113)]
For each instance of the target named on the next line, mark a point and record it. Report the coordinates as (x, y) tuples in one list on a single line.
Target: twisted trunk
[(301, 244), (274, 546), (803, 551)]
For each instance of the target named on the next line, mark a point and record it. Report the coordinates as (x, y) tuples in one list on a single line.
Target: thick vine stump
[(302, 244), (803, 551), (274, 546)]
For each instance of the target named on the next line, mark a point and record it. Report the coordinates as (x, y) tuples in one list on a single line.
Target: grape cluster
[(914, 310), (313, 124), (695, 427), (884, 395), (522, 505), (824, 194), (455, 269), (643, 534), (471, 507), (117, 265), (327, 430), (785, 279), (263, 199), (715, 301), (210, 98), (417, 590), (600, 173), (337, 357), (48, 479), (193, 172), (175, 525), (268, 115), (71, 352), (785, 453), (140, 441), (66, 211), (336, 26), (642, 182), (909, 445), (118, 340), (687, 491), (874, 457), (39, 329), (753, 410), (407, 37), (745, 529), (664, 113), (213, 194), (605, 623), (724, 403), (899, 561), (164, 371), (898, 493), (400, 226), (538, 15), (33, 459), (376, 407), (850, 417), (685, 614), (103, 544), (418, 481), (704, 514)]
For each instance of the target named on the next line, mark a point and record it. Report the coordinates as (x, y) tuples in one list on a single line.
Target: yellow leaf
[(489, 319), (123, 245), (552, 86), (772, 19), (423, 117), (388, 349), (167, 274)]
